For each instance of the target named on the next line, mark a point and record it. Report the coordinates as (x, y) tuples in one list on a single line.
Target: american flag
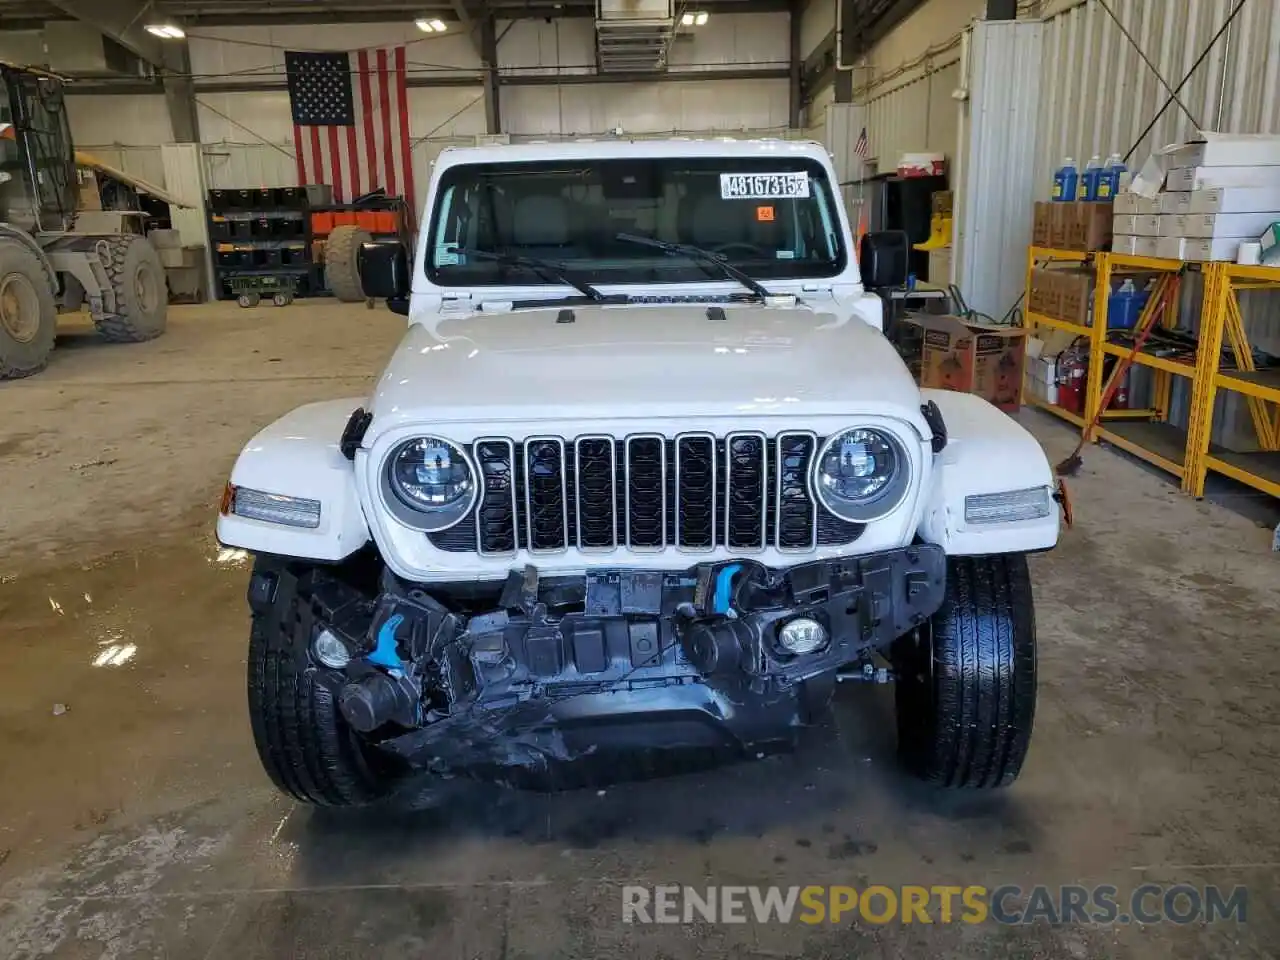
[(354, 136), (863, 146)]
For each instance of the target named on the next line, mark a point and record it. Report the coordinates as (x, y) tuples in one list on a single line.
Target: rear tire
[(341, 266), (28, 312), (142, 294), (305, 745), (966, 679)]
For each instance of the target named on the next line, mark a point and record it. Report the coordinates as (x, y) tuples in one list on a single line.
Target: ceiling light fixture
[(165, 31), (700, 18), (431, 26), (694, 18)]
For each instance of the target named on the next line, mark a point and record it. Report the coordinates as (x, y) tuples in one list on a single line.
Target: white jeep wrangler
[(643, 478)]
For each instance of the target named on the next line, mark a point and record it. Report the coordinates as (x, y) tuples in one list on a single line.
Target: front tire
[(305, 745), (142, 294), (966, 679)]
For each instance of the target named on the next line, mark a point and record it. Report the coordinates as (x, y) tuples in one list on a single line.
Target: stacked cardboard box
[(1214, 194), (979, 358), (1080, 225), (1062, 294)]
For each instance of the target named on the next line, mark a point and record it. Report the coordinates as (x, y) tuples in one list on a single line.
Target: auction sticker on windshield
[(763, 186)]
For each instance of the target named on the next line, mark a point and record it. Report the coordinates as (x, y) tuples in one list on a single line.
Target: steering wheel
[(750, 248)]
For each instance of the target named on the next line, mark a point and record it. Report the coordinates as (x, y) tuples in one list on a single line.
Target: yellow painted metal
[(1234, 327), (1097, 338), (1056, 410), (1121, 262), (1205, 385), (1142, 453), (1151, 414), (1057, 324), (1244, 476)]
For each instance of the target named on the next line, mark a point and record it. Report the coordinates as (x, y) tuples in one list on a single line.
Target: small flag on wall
[(351, 121), (863, 146)]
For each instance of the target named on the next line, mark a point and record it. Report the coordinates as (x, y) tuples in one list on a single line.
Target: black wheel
[(341, 269), (966, 679), (305, 745), (28, 312), (142, 294)]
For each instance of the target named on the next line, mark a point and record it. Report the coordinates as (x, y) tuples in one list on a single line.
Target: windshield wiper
[(548, 269), (698, 253)]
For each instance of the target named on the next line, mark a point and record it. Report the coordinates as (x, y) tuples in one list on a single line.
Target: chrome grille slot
[(746, 490), (496, 512), (796, 509), (546, 499), (695, 511), (596, 494), (646, 499)]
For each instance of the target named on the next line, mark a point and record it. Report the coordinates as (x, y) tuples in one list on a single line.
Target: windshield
[(769, 217)]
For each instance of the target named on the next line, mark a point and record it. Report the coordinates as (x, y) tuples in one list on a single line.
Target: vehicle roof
[(588, 149)]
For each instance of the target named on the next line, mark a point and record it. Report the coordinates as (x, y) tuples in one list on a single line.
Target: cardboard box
[(1061, 216), (1227, 150), (1132, 203), (1171, 224), (1042, 225), (983, 359), (1209, 178), (1146, 247), (1147, 225), (1090, 227), (1170, 248), (1045, 295), (1174, 202), (1234, 200), (1214, 225), (940, 266), (1124, 244), (1076, 296), (1124, 224), (1218, 248)]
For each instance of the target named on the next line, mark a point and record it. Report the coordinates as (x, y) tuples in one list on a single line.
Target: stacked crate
[(265, 232)]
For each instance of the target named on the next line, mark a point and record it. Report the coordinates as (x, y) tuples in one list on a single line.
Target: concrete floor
[(139, 824)]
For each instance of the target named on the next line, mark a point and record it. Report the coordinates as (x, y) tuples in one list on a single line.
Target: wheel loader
[(46, 267)]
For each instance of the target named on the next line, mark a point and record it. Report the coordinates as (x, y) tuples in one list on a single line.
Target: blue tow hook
[(724, 584), (384, 651)]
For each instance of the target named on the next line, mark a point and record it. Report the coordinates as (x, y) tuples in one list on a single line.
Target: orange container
[(346, 218), (384, 221), (321, 224)]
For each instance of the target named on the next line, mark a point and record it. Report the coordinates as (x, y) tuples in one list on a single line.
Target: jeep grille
[(646, 493)]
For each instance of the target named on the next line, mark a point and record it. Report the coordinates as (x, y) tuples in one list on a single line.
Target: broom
[(1159, 300)]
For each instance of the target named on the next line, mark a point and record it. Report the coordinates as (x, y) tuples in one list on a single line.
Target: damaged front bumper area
[(540, 672)]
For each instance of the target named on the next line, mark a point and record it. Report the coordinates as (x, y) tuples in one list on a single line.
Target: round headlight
[(861, 474), (433, 479)]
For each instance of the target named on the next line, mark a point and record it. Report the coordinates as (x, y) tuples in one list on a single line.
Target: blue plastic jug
[(1112, 171), (1065, 181), (1092, 180)]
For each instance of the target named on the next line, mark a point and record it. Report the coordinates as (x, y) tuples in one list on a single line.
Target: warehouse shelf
[(1067, 325), (1143, 432), (1160, 444), (1223, 322), (1145, 358)]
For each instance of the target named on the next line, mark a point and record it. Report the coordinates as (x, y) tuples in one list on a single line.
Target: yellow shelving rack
[(1145, 433), (1222, 319)]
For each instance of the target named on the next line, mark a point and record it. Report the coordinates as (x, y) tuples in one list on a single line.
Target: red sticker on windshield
[(764, 214)]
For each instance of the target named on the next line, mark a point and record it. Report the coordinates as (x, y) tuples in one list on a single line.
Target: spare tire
[(28, 311), (341, 263), (142, 292)]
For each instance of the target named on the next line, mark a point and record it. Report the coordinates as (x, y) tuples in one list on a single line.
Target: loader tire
[(341, 262), (28, 312), (142, 295), (305, 745)]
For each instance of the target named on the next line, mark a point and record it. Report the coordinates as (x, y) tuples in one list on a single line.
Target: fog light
[(331, 651), (1032, 504), (803, 635), (275, 508)]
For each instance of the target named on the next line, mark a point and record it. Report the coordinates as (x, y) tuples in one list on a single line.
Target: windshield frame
[(682, 270)]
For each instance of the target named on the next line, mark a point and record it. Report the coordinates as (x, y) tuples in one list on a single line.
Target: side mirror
[(884, 258), (384, 273)]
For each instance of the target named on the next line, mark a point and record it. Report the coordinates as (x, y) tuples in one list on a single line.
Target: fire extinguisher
[(1073, 373), (1119, 399)]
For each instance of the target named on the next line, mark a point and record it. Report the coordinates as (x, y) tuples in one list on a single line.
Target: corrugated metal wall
[(1097, 95), (916, 113)]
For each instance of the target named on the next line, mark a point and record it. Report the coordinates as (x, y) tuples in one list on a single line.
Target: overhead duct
[(81, 50), (632, 36)]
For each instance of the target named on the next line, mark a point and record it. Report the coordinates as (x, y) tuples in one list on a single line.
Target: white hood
[(645, 362)]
